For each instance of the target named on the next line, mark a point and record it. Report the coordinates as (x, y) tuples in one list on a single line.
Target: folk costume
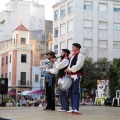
[(50, 84), (61, 66), (75, 68)]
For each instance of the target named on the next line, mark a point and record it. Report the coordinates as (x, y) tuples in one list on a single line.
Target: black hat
[(51, 53), (66, 50), (77, 45)]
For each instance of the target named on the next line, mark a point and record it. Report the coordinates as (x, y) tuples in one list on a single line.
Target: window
[(56, 15), (63, 11), (2, 61), (116, 27), (70, 26), (1, 75), (88, 5), (62, 45), (23, 41), (88, 24), (103, 25), (102, 43), (56, 48), (14, 40), (62, 29), (103, 7), (23, 58), (56, 32), (10, 59), (70, 7), (88, 43), (116, 8), (23, 78), (36, 78), (9, 75), (116, 45), (70, 42), (5, 75), (6, 59)]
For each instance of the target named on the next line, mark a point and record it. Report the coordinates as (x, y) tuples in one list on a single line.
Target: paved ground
[(88, 113)]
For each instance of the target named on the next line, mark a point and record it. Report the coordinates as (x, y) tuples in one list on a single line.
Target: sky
[(48, 7)]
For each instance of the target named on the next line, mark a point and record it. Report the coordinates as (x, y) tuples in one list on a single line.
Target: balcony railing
[(16, 47), (23, 83)]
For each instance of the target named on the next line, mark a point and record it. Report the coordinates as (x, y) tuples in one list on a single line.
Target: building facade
[(16, 60), (92, 23), (38, 81), (31, 14)]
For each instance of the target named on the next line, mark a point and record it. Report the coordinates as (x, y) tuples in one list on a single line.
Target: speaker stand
[(2, 100)]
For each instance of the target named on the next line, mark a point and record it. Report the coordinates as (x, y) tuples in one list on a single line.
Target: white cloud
[(48, 7)]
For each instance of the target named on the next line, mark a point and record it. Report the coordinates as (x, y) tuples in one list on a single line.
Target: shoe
[(75, 111), (70, 111), (61, 110)]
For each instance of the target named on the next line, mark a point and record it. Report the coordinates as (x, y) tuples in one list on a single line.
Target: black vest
[(61, 72), (73, 62)]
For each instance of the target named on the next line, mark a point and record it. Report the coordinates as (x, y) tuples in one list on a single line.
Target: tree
[(94, 71), (114, 77)]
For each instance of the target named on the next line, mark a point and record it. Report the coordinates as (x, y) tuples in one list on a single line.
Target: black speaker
[(3, 85), (108, 101)]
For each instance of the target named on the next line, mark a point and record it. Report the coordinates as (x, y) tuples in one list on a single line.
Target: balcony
[(23, 83), (17, 47)]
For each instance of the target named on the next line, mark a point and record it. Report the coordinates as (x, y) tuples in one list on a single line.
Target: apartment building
[(16, 58), (95, 24)]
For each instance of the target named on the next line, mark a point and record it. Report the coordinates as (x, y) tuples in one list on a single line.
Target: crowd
[(38, 102), (24, 103), (87, 101), (8, 104)]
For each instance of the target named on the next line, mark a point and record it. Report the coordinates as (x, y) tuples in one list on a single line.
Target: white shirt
[(64, 63), (53, 70), (79, 63)]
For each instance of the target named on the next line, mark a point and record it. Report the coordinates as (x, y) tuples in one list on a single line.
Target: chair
[(99, 95), (117, 98)]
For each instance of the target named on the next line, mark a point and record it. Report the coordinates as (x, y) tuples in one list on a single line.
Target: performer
[(61, 66), (50, 82), (75, 71)]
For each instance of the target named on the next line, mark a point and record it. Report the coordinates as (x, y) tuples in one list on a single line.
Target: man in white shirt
[(61, 66), (75, 71), (50, 82)]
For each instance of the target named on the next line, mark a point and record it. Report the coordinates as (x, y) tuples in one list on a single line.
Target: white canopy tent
[(25, 93)]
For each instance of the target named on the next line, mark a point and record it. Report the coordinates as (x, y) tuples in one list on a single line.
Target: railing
[(23, 83), (15, 47)]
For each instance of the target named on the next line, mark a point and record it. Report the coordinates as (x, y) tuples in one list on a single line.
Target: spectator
[(23, 102), (1, 103), (43, 103), (83, 102), (90, 102), (40, 105), (9, 103), (36, 104)]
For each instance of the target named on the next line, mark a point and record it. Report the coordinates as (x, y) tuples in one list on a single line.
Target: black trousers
[(50, 95)]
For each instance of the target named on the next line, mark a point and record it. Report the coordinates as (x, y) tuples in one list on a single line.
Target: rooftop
[(21, 27)]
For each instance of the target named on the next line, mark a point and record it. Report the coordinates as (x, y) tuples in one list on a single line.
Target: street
[(35, 113)]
